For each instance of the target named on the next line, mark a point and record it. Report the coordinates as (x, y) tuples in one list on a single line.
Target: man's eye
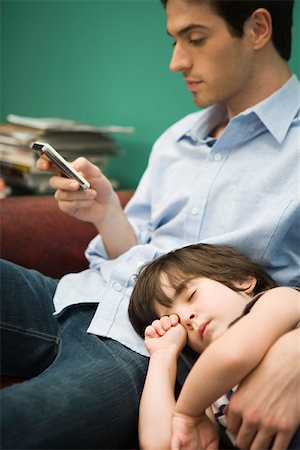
[(197, 42)]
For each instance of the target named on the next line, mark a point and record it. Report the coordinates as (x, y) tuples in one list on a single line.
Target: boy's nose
[(187, 320)]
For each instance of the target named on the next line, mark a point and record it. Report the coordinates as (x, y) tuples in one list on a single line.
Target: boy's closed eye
[(191, 295)]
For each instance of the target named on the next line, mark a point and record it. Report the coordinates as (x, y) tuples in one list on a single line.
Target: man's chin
[(200, 102)]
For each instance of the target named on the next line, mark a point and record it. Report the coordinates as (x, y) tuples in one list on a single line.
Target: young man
[(226, 175)]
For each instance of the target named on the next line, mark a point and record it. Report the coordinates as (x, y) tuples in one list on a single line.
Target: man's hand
[(90, 206), (264, 412), (99, 205), (165, 334)]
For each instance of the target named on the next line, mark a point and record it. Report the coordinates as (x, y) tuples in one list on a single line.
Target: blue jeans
[(82, 391)]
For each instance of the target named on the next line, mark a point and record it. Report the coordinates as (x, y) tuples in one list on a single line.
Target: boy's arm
[(164, 342), (231, 357), (261, 412)]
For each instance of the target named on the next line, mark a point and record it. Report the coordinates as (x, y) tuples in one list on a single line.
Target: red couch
[(36, 234)]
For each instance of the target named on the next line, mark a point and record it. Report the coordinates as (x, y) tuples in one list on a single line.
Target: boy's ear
[(247, 286)]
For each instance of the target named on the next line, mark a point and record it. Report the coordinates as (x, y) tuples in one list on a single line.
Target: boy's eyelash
[(191, 296)]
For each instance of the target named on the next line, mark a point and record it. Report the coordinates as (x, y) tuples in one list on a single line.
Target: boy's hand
[(165, 333), (193, 433)]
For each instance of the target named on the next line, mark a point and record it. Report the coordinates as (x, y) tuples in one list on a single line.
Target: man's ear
[(259, 27), (247, 286)]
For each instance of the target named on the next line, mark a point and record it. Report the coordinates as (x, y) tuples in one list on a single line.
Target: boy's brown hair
[(222, 264)]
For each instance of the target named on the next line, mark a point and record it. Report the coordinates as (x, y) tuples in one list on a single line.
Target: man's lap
[(88, 393), (87, 398)]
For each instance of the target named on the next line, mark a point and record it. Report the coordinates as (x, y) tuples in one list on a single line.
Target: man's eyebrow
[(188, 28)]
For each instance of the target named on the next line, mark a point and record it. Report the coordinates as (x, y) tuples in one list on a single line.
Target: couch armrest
[(37, 235)]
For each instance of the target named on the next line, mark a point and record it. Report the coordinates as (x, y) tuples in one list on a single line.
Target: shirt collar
[(210, 118), (275, 112), (278, 111)]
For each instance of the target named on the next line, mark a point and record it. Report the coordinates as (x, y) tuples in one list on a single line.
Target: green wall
[(100, 62)]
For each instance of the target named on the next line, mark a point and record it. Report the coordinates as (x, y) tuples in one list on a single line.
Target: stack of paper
[(71, 139)]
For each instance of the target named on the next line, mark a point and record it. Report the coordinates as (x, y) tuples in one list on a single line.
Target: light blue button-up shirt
[(241, 190)]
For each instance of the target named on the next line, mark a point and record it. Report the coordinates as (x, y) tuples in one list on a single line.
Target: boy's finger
[(165, 322), (150, 332), (158, 327), (174, 319)]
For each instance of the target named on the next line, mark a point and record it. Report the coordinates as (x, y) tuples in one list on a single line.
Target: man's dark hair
[(236, 12), (222, 264)]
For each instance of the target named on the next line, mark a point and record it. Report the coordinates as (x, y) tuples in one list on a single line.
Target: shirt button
[(117, 287), (217, 157), (194, 210)]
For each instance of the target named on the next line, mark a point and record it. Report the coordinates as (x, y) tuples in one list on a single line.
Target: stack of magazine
[(71, 139)]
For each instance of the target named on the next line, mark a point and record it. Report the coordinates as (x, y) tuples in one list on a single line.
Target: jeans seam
[(32, 333)]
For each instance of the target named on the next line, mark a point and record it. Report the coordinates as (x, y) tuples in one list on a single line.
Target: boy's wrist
[(165, 354)]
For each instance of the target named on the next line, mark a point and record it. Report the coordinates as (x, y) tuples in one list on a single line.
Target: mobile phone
[(42, 148)]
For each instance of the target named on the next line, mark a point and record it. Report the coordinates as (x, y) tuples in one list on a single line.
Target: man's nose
[(180, 60)]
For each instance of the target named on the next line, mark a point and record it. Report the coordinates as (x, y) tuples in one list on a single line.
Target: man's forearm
[(116, 231)]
